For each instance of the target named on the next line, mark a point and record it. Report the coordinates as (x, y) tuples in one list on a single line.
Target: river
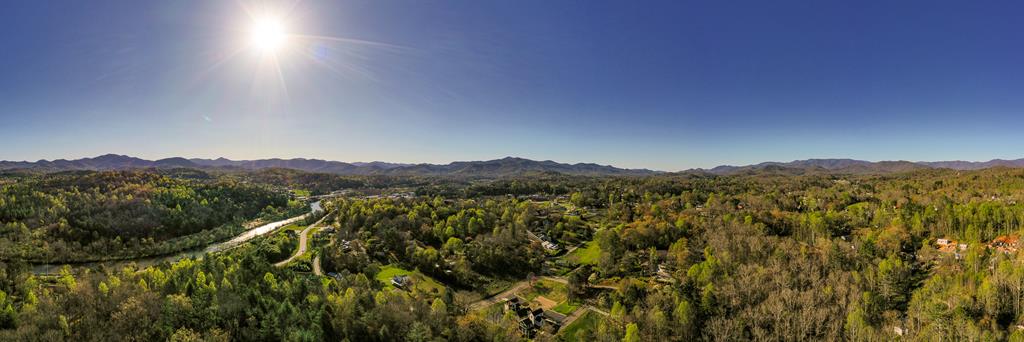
[(192, 253)]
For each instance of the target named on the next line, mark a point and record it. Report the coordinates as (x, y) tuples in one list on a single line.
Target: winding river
[(43, 269)]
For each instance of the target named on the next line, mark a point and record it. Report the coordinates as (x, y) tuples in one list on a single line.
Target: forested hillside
[(930, 255), (509, 166), (80, 216)]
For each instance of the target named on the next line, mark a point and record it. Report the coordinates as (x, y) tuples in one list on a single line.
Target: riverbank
[(54, 268)]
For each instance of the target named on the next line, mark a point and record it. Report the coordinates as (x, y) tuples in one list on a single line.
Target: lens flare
[(267, 35)]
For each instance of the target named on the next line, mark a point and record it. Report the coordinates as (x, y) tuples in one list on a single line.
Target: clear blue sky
[(667, 85)]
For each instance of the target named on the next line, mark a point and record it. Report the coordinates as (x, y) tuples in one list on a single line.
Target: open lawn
[(586, 255), (389, 271), (419, 280), (565, 308), (295, 227), (494, 286), (545, 302), (547, 288), (588, 322), (545, 293)]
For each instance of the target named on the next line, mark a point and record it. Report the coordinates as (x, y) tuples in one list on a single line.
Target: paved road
[(483, 303), (522, 285), (300, 251), (602, 312), (50, 269), (579, 313), (316, 266), (303, 237), (574, 316), (556, 279)]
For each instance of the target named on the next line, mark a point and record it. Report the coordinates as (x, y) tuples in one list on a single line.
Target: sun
[(267, 34)]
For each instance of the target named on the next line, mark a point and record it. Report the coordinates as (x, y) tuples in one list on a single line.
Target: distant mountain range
[(508, 166), (966, 165), (491, 168), (853, 166)]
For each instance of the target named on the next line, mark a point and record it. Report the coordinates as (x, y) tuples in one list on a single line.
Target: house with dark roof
[(530, 320), (537, 316), (512, 304), (527, 328), (401, 281)]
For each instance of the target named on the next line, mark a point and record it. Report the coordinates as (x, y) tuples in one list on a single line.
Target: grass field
[(547, 294), (295, 227), (494, 286), (588, 322), (587, 255), (419, 280), (550, 289), (389, 271), (565, 308)]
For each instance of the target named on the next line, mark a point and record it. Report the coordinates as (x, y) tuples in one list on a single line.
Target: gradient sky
[(666, 85)]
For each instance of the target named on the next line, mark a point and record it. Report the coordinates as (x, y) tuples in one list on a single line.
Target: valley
[(543, 257)]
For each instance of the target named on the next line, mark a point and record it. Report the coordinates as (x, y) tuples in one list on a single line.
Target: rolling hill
[(491, 168), (508, 166)]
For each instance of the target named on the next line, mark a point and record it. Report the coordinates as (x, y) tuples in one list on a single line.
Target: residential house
[(512, 304), (530, 320), (401, 281), (951, 247), (527, 328), (550, 245), (537, 316), (1007, 244)]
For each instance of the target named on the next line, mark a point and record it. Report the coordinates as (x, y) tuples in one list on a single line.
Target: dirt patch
[(545, 303)]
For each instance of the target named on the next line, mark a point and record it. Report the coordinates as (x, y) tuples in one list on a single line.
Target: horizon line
[(517, 157)]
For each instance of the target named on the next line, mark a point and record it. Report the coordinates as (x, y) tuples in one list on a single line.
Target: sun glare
[(267, 34)]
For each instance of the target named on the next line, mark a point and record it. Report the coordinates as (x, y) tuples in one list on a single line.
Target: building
[(553, 327), (526, 327), (1007, 244), (550, 245), (401, 281), (947, 245), (530, 320), (512, 304), (537, 316), (951, 247)]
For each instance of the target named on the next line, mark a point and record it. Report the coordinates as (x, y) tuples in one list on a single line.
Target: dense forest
[(80, 216), (925, 255)]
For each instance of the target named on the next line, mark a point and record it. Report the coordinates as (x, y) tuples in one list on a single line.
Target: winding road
[(303, 241), (579, 313), (521, 285), (483, 303), (316, 266), (49, 269)]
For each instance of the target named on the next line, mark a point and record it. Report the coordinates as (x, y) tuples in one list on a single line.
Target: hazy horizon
[(661, 85), (510, 156)]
